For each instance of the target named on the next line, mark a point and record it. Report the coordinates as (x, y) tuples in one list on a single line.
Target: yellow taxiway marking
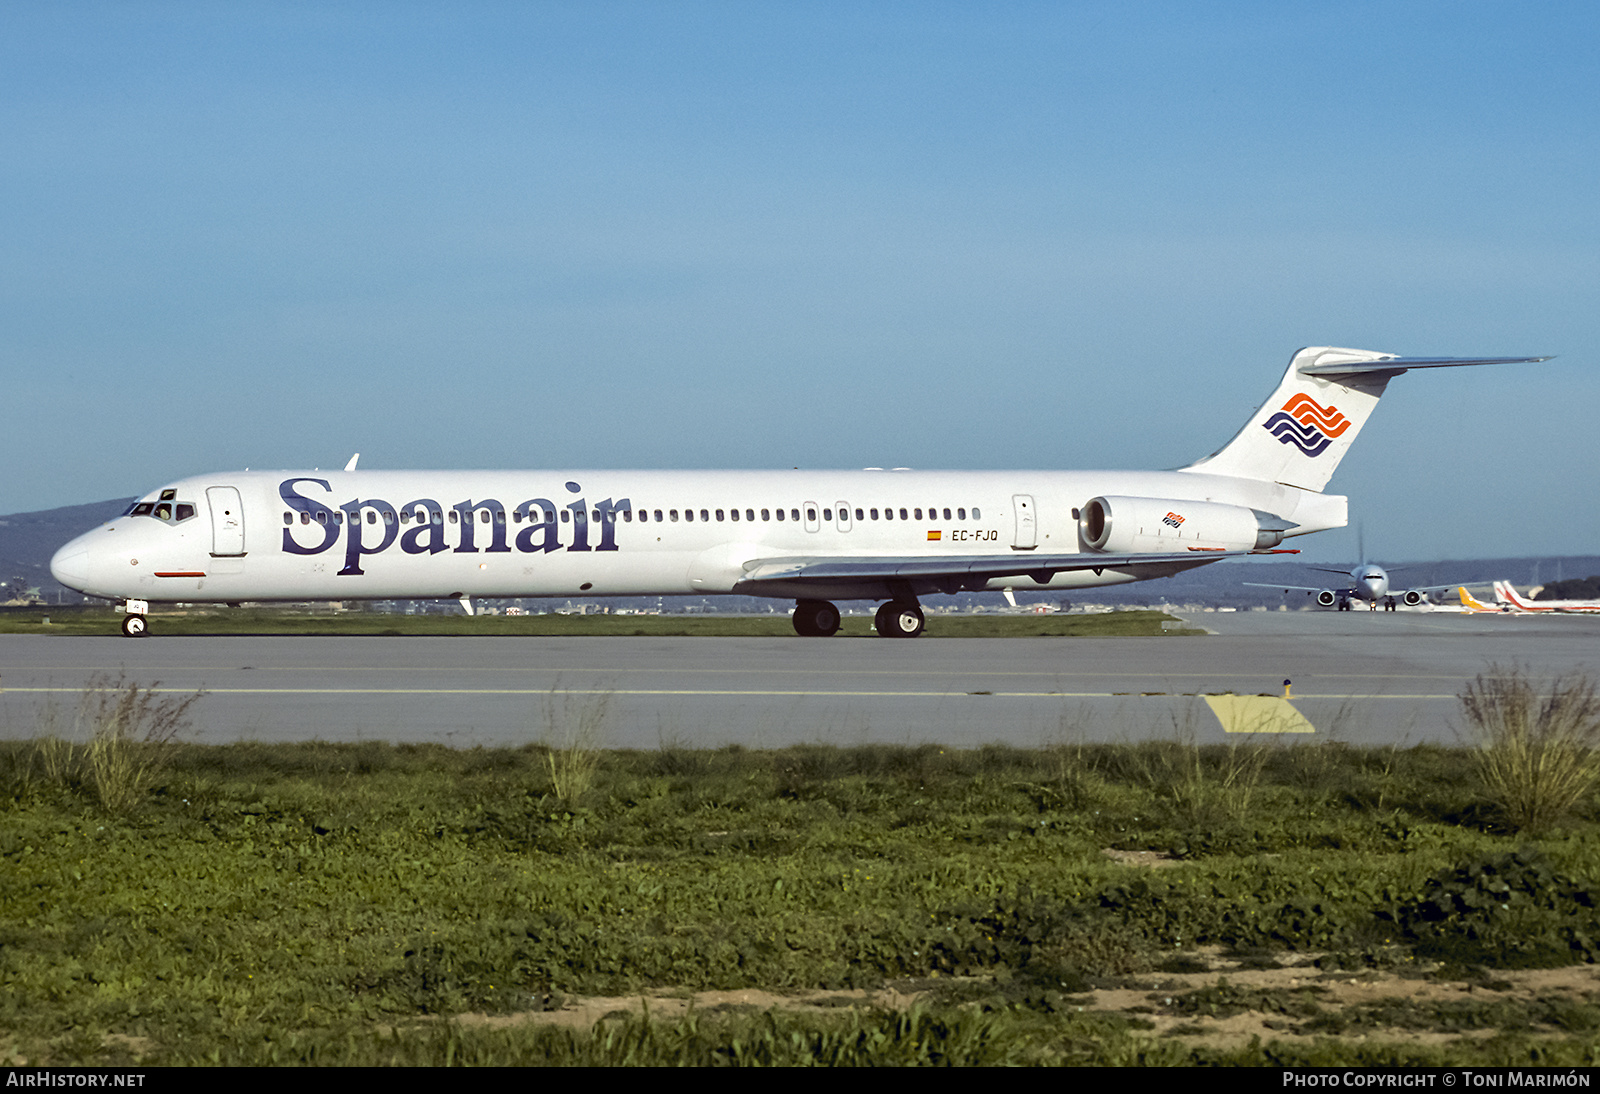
[(1257, 714)]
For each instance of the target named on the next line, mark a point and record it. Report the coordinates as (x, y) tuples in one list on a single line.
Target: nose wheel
[(899, 619), (815, 619), (135, 626)]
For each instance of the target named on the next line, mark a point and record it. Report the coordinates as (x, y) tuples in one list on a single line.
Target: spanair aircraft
[(1506, 594), (1368, 582), (815, 537)]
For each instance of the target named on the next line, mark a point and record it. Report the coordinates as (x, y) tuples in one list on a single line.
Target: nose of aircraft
[(70, 565)]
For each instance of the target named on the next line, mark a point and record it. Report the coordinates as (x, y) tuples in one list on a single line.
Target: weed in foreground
[(1537, 754), (132, 733), (574, 725)]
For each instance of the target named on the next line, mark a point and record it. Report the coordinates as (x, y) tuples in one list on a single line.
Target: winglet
[(351, 466)]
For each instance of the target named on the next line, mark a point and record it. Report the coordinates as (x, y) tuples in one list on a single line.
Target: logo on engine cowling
[(1306, 424)]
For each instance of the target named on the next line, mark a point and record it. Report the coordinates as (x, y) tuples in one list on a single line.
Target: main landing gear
[(815, 619), (896, 619), (899, 619)]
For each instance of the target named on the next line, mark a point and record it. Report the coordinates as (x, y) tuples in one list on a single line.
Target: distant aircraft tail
[(1472, 603), (1504, 591), (1302, 432)]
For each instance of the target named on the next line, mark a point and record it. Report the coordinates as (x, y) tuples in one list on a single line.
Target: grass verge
[(370, 903)]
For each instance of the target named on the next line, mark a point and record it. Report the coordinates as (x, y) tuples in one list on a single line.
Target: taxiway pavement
[(1364, 678)]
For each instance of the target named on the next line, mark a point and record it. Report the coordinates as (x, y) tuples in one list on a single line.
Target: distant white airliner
[(816, 537), (1368, 581)]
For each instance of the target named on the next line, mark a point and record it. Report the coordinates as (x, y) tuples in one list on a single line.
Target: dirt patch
[(581, 1012), (1223, 1007), (1150, 859)]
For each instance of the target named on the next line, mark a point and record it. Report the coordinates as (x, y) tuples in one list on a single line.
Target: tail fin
[(1302, 432), (1471, 602), (1510, 595)]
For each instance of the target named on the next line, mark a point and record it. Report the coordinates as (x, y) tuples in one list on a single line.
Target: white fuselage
[(301, 535)]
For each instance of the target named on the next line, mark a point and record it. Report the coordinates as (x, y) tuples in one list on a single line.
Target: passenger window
[(975, 514), (947, 514), (859, 515), (749, 514), (688, 514), (499, 516), (305, 518), (372, 517), (388, 516), (827, 515), (874, 513), (674, 514), (961, 514), (733, 514), (288, 518), (627, 515), (658, 516), (903, 514), (766, 514), (704, 515), (794, 514), (566, 516), (719, 514), (917, 513), (780, 514)]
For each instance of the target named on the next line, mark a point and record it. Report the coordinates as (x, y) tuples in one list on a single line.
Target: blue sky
[(801, 234)]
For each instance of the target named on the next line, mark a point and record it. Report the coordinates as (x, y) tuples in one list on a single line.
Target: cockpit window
[(167, 508)]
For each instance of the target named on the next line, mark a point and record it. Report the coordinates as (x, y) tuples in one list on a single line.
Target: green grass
[(274, 621), (326, 903)]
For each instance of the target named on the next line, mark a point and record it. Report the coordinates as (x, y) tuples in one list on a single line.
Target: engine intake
[(1119, 525)]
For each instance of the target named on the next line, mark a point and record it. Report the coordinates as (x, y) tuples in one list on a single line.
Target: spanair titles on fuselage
[(891, 536)]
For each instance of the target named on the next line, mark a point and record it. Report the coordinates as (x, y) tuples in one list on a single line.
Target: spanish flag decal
[(934, 536)]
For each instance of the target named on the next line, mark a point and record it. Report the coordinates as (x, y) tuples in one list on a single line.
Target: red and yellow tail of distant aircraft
[(1506, 594)]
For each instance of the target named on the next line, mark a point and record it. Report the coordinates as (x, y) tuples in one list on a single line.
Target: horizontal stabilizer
[(1394, 366)]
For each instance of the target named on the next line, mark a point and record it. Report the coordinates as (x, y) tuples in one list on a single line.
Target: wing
[(953, 573), (1300, 588)]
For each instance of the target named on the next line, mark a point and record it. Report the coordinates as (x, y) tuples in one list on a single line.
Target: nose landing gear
[(134, 624)]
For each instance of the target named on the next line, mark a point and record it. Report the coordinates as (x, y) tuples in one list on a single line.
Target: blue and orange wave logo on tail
[(1306, 424)]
